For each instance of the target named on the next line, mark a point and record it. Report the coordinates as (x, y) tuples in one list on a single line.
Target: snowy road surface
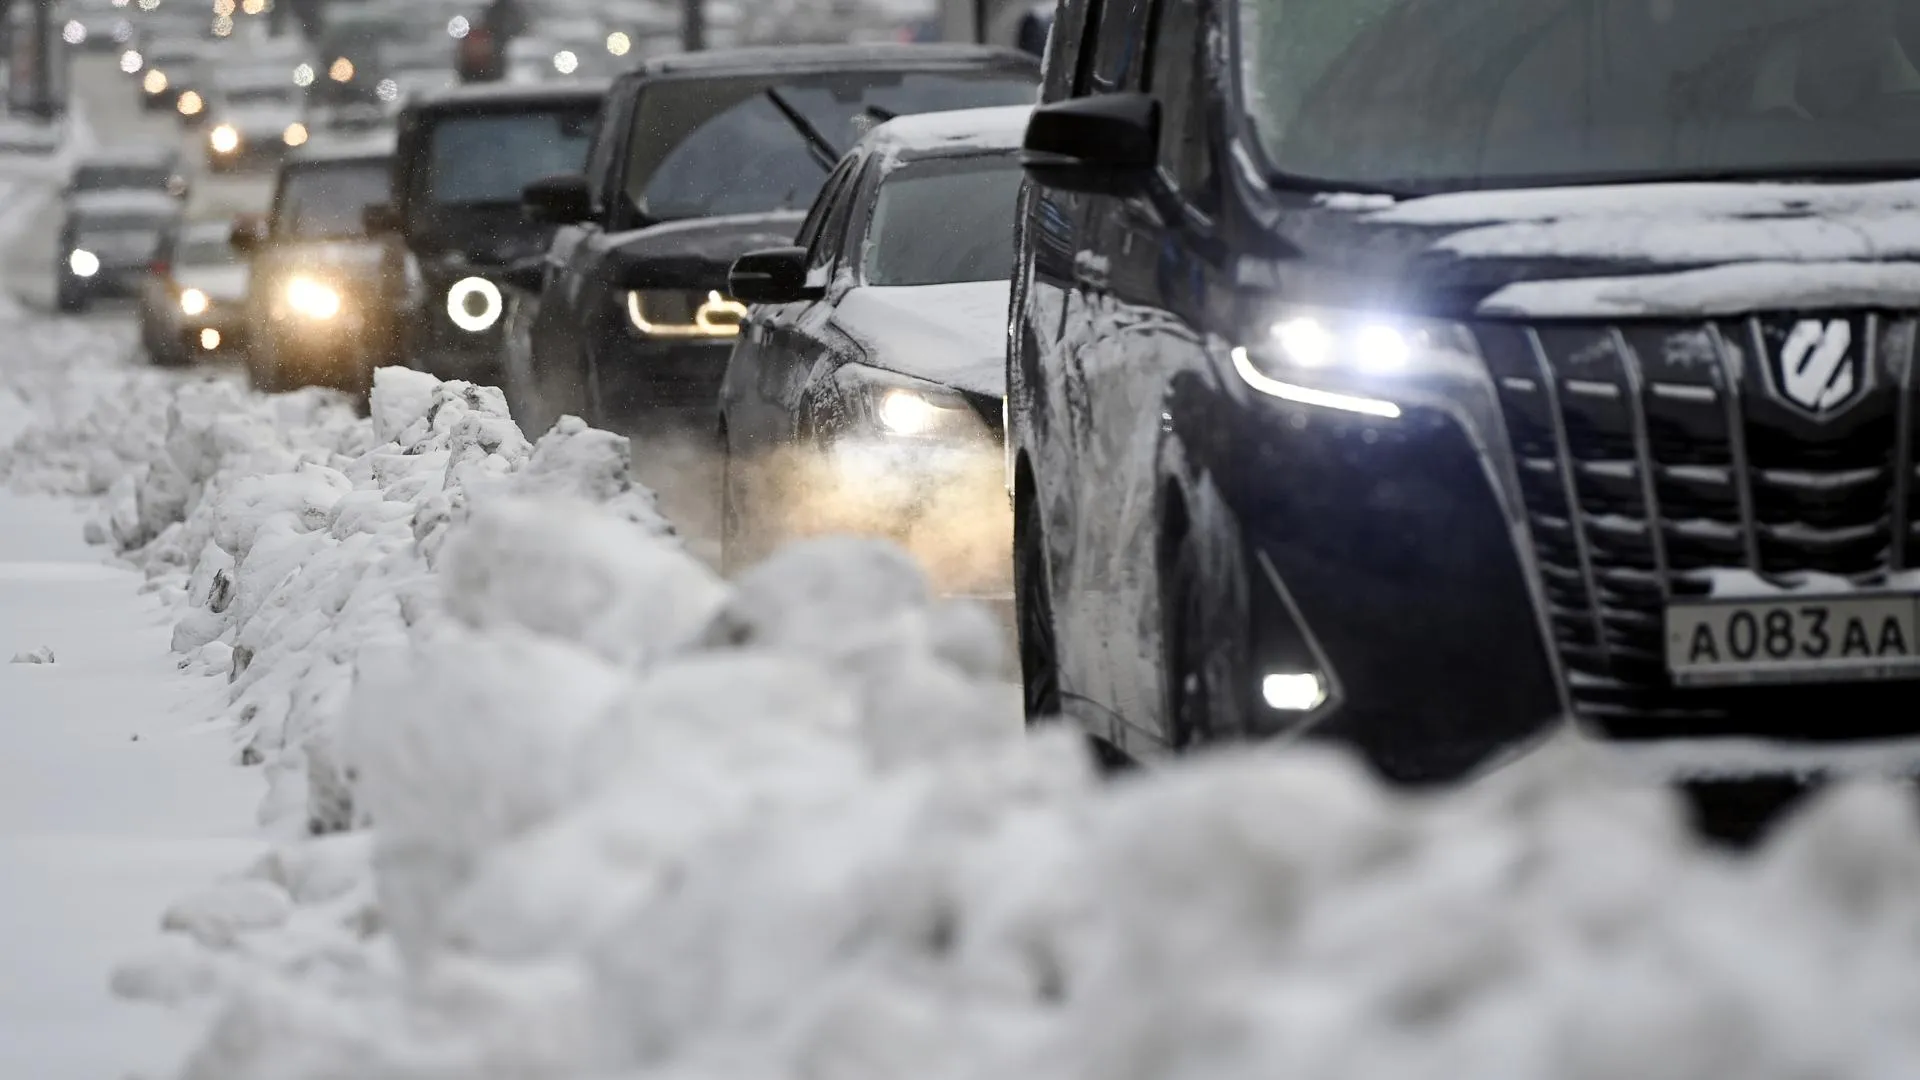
[(117, 796)]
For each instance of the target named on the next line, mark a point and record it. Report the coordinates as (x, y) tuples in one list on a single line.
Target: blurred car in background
[(464, 157), (256, 114), (96, 26), (864, 392), (108, 242), (320, 306), (193, 303), (151, 168), (173, 65), (702, 158)]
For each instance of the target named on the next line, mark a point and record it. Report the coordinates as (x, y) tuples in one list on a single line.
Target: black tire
[(732, 543), (1033, 609), (1206, 632)]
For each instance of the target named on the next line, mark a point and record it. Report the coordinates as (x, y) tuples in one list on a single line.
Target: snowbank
[(556, 802)]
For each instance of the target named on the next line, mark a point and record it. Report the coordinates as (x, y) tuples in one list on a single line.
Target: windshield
[(726, 146), (327, 200), (487, 160), (205, 252), (1435, 94), (117, 177), (942, 222), (259, 95)]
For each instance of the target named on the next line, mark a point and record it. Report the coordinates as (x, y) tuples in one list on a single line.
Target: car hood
[(697, 254), (954, 335), (359, 259), (1603, 251), (219, 282)]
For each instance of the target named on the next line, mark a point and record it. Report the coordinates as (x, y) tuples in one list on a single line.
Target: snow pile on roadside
[(585, 811)]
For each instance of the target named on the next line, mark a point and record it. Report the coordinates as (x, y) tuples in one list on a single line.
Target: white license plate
[(1793, 639)]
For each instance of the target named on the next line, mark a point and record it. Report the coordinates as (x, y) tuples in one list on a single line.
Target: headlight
[(224, 139), (155, 81), (131, 61), (907, 407), (295, 135), (668, 313), (474, 304), (1351, 361), (312, 299), (190, 104), (83, 263), (194, 302)]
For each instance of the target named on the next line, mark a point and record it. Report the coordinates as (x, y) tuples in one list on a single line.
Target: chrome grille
[(1650, 453)]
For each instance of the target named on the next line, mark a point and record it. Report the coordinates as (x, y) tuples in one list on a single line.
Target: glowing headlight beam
[(193, 302), (474, 304), (904, 412), (313, 299), (155, 81), (1307, 395), (190, 104), (295, 135), (224, 139), (83, 263)]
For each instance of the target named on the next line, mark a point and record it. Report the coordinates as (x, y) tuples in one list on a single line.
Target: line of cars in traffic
[(1379, 457)]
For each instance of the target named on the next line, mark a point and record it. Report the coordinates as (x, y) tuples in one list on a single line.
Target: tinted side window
[(1063, 50), (1120, 46), (809, 235), (1178, 64)]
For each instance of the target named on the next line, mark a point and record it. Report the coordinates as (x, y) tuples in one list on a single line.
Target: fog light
[(209, 339), (193, 302), (1294, 691)]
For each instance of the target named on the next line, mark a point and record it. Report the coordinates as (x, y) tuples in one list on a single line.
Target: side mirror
[(380, 219), (249, 233), (1103, 145), (558, 200), (774, 276)]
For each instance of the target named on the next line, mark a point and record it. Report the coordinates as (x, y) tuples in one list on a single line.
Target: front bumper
[(112, 282), (342, 354), (1384, 555), (645, 384)]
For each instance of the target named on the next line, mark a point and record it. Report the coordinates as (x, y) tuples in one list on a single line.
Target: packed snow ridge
[(552, 801)]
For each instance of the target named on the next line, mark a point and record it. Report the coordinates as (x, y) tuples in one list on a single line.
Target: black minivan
[(1431, 374)]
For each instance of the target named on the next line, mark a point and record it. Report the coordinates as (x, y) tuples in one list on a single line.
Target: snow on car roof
[(156, 154), (962, 131), (125, 202)]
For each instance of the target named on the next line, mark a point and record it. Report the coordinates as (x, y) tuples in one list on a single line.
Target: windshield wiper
[(817, 144), (882, 115)]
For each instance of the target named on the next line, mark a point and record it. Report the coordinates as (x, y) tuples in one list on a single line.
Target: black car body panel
[(581, 348), (1636, 402), (451, 243)]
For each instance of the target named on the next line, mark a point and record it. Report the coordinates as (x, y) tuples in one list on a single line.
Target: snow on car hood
[(955, 335), (270, 120), (218, 282), (1626, 249)]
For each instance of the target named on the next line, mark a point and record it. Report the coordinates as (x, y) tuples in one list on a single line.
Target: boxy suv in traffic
[(1421, 397), (699, 159), (463, 157)]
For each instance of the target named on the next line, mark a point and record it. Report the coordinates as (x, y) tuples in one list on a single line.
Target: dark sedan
[(866, 388), (698, 160), (108, 244)]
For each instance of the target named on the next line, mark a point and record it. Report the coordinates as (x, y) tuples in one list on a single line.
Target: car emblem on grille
[(1817, 369)]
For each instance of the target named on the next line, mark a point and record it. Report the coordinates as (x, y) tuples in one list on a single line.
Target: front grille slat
[(1653, 455), (1571, 484)]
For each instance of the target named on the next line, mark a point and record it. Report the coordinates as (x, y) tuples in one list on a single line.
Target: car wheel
[(1205, 618), (732, 557), (1033, 603)]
